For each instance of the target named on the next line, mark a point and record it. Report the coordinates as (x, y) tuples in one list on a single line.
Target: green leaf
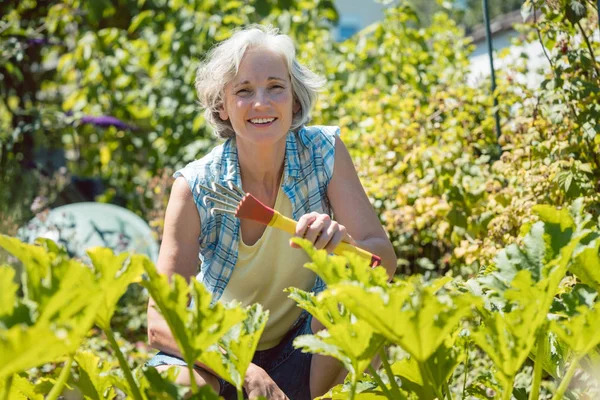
[(52, 335), (559, 227), (114, 274), (575, 11), (409, 314), (580, 332), (231, 358), (195, 327), (336, 269), (162, 386), (586, 264), (347, 339), (22, 389), (36, 263), (139, 19), (509, 336), (94, 381)]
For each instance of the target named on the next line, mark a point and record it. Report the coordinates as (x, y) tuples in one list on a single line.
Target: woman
[(258, 97)]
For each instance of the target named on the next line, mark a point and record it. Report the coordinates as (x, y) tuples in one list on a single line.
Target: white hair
[(222, 64)]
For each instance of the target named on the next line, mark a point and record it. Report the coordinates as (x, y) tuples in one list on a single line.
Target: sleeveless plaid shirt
[(309, 160)]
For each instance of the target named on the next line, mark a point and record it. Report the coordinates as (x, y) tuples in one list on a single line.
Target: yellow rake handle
[(289, 225)]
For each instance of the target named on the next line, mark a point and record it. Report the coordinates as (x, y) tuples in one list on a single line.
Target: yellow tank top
[(263, 270)]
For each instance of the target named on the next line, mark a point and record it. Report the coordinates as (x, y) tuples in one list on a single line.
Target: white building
[(356, 15)]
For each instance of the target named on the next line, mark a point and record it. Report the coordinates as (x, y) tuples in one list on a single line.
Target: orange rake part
[(234, 201)]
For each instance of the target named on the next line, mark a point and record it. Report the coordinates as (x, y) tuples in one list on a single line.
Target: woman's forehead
[(260, 65)]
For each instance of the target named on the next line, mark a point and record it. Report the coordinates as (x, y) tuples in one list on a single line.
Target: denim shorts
[(287, 366)]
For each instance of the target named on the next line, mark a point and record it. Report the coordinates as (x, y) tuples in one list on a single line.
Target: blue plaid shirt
[(309, 159)]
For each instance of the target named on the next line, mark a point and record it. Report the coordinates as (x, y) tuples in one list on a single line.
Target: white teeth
[(262, 120)]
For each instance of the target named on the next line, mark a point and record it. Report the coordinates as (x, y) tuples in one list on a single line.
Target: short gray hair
[(222, 64)]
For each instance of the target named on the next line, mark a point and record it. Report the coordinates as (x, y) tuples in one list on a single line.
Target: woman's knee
[(202, 377)]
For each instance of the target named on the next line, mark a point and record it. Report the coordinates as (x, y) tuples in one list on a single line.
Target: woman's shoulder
[(318, 137), (206, 167)]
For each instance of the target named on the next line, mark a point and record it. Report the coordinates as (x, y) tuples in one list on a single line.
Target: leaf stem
[(193, 383), (353, 388), (537, 369), (508, 388), (8, 384), (135, 391), (567, 379), (464, 390), (590, 49), (62, 379), (240, 394), (390, 374), (379, 381), (447, 390), (427, 388)]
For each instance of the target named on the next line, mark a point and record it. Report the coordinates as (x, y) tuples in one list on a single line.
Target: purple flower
[(105, 121), (38, 41), (41, 41)]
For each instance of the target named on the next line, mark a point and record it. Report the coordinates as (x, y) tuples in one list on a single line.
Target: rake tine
[(213, 211), (221, 196), (217, 201), (234, 195), (236, 188)]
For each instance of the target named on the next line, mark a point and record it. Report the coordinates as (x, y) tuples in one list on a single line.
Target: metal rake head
[(227, 198), (234, 201)]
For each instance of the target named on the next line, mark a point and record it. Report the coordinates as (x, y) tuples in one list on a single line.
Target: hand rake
[(234, 201)]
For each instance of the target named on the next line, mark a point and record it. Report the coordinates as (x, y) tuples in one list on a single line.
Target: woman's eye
[(276, 87), (242, 91)]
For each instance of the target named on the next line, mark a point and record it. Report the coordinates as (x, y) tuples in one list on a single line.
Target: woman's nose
[(261, 99)]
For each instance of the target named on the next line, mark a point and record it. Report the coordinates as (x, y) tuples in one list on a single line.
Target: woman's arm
[(355, 220), (353, 210), (178, 254)]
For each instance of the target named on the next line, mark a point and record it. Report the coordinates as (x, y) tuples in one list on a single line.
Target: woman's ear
[(223, 112), (296, 106)]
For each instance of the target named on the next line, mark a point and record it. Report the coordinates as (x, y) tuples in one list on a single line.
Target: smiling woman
[(259, 97)]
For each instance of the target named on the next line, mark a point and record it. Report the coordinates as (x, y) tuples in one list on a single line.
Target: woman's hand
[(322, 231), (258, 383)]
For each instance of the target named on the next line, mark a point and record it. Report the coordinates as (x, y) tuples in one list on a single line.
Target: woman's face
[(259, 100)]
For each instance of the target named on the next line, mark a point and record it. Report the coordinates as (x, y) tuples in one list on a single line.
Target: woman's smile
[(262, 122)]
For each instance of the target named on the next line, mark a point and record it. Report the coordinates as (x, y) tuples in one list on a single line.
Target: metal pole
[(488, 34)]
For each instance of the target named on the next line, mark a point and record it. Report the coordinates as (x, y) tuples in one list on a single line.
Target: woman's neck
[(261, 167)]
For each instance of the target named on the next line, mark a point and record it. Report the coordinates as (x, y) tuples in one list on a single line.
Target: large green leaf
[(61, 312), (196, 326), (233, 354), (346, 338), (114, 273), (22, 389), (336, 269), (411, 314), (580, 332)]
